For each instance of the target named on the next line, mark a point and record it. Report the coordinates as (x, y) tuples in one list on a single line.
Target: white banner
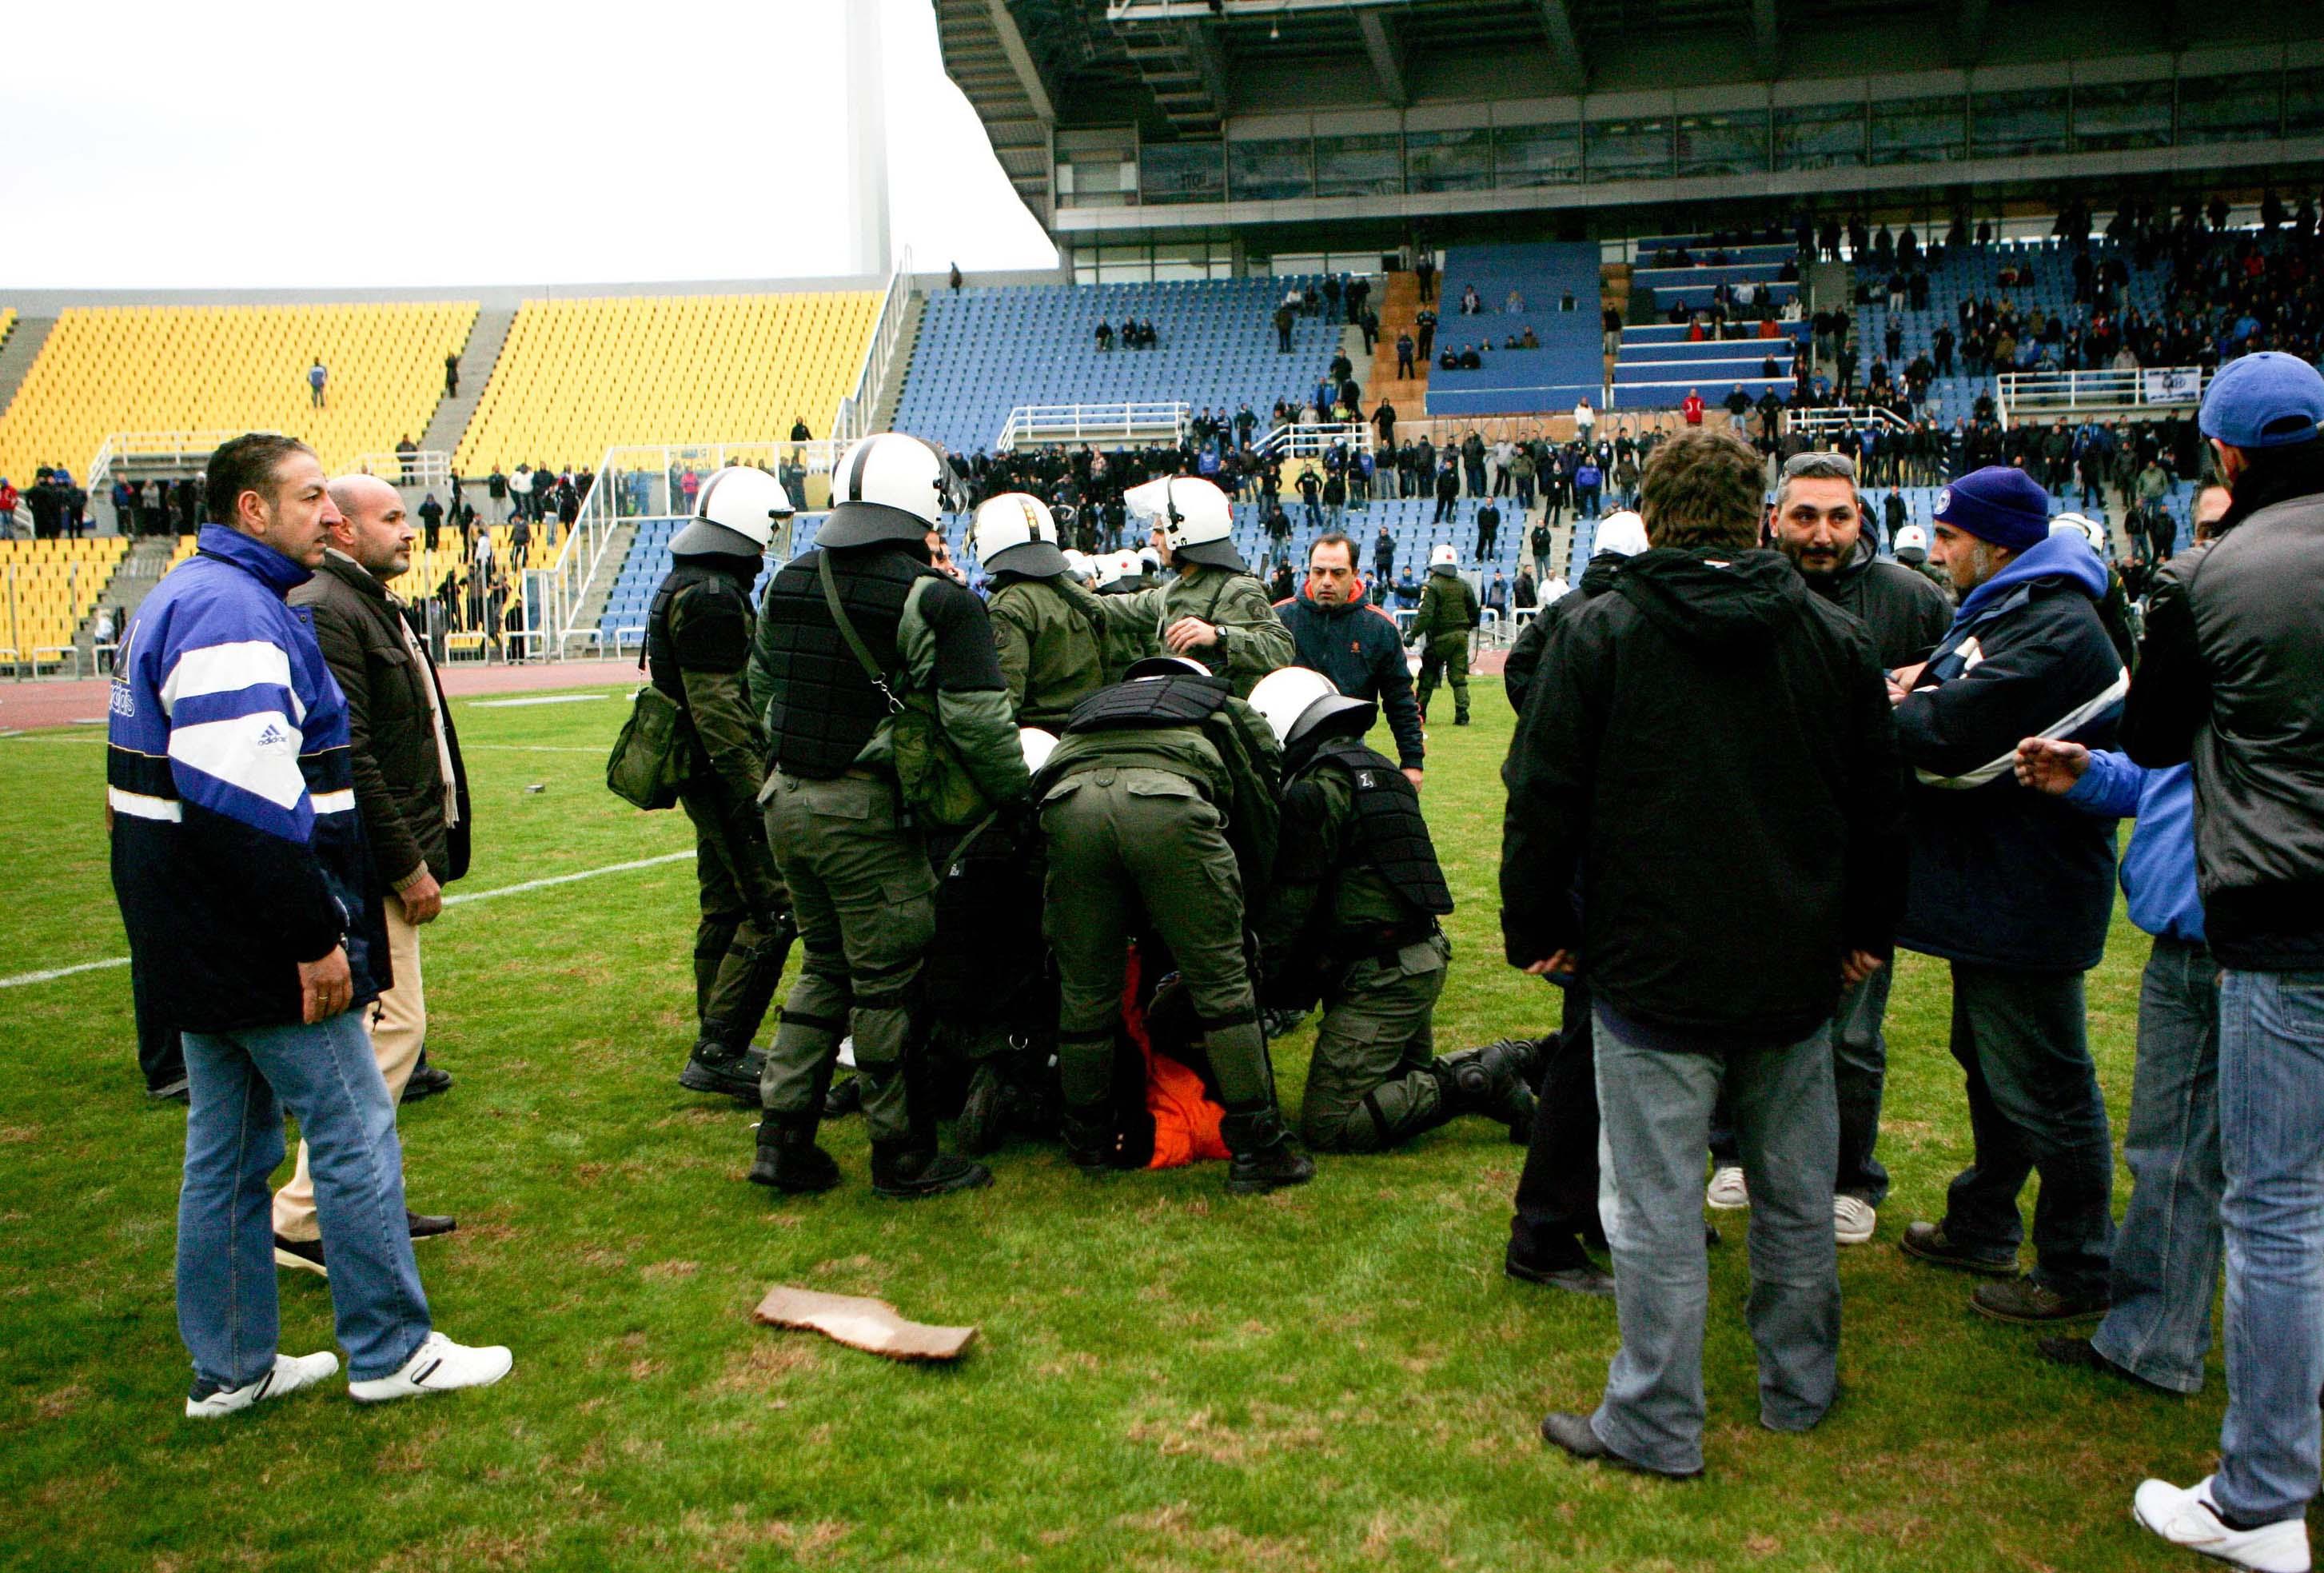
[(2172, 384)]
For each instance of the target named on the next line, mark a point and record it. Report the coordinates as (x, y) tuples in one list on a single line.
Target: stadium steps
[(16, 357), (1831, 286), (150, 557), (477, 359), (883, 414), (609, 568), (1400, 306)]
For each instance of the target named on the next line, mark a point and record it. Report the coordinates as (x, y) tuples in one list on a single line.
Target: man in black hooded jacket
[(1709, 748)]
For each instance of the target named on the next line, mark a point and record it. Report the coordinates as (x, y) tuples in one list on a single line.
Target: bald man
[(410, 791)]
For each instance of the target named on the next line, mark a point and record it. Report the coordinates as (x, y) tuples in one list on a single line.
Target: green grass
[(1337, 1376)]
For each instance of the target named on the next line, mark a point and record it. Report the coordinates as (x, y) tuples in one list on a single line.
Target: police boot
[(912, 1168), (1493, 1080), (1264, 1159), (718, 1066), (1089, 1136), (789, 1159), (984, 1113)]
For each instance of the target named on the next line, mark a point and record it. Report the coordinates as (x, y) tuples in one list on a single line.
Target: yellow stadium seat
[(47, 588)]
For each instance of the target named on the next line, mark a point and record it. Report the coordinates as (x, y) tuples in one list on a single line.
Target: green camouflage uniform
[(1448, 611), (1252, 640), (1051, 634)]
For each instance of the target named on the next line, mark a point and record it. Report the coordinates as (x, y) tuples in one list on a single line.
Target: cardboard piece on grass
[(861, 1323)]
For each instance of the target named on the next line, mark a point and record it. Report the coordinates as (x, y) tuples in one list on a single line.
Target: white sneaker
[(1852, 1219), (438, 1365), (291, 1373), (2190, 1518), (1727, 1192)]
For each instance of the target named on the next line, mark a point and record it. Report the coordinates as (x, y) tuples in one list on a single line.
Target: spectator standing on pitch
[(1820, 525), (2013, 890), (412, 795), (2230, 682), (1713, 744), (1338, 630), (244, 885)]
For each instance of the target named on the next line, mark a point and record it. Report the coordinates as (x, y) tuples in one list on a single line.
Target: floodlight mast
[(867, 141)]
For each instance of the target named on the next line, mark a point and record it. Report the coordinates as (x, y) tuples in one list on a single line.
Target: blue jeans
[(2023, 1041), (2166, 1257), (327, 1075), (2272, 1146), (1655, 1105), (1860, 1073)]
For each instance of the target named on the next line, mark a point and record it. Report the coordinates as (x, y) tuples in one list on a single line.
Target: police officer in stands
[(699, 637), (1351, 919), (1159, 809), (867, 658), (1214, 612), (1049, 629)]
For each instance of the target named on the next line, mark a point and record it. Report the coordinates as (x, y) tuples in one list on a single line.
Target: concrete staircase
[(908, 338), (16, 357), (131, 583), (477, 359), (1831, 287), (592, 609), (1398, 305)]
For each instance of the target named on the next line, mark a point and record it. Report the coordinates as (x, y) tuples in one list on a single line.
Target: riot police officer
[(1214, 612), (1448, 611), (1049, 629), (699, 637), (1159, 810), (883, 696), (1351, 919)]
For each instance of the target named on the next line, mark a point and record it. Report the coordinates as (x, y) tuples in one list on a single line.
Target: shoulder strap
[(847, 631)]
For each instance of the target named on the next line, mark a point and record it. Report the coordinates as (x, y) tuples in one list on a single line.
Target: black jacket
[(2232, 678), (1710, 746), (1904, 610), (1357, 646), (1525, 654), (2003, 875), (399, 777)]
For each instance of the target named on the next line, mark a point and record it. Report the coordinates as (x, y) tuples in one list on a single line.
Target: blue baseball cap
[(2000, 504), (2267, 398)]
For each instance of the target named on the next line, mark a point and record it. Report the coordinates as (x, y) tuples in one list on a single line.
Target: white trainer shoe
[(291, 1373), (438, 1365), (1727, 1193), (1852, 1219), (2188, 1517)]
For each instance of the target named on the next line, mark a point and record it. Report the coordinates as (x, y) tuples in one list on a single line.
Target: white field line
[(52, 974)]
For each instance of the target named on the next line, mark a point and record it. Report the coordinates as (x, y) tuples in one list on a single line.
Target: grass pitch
[(1336, 1376)]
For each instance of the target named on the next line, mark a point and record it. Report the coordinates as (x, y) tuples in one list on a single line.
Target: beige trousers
[(398, 1024)]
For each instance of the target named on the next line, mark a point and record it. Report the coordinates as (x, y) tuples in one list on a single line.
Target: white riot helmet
[(1197, 520), (1912, 538), (1442, 559), (1621, 533), (2081, 525), (735, 514), (1300, 704), (890, 486), (1037, 745), (1017, 533), (1148, 560), (1079, 565), (1154, 666), (1115, 566)]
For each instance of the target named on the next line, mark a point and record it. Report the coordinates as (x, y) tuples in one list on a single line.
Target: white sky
[(254, 143)]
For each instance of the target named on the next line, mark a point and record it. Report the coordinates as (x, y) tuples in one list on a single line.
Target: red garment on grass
[(1186, 1120)]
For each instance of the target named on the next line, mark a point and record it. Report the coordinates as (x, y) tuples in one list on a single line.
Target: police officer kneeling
[(870, 659), (1350, 919), (1159, 810), (698, 637)]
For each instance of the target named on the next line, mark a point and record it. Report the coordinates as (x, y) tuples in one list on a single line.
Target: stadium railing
[(1307, 440), (1031, 425), (1833, 420), (428, 467), (2041, 393), (185, 452), (853, 417)]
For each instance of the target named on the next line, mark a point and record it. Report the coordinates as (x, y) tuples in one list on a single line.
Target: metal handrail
[(2142, 387), (1305, 439), (424, 467), (1845, 418), (180, 448), (1090, 422), (852, 417)]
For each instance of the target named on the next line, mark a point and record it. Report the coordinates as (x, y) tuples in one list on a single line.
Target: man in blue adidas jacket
[(2014, 889), (243, 882)]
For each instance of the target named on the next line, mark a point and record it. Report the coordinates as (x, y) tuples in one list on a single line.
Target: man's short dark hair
[(245, 464), (1703, 489), (1334, 537)]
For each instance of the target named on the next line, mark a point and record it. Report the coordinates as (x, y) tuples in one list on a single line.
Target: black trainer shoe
[(307, 1256), (427, 1226), (2029, 1302), (1587, 1278), (904, 1172), (1573, 1433), (789, 1161), (2081, 1355), (713, 1067), (427, 1081), (1930, 1243)]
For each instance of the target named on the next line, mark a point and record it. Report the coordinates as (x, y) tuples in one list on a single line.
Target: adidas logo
[(273, 737)]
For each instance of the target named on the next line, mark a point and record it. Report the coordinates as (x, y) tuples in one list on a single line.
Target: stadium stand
[(1658, 363), (195, 368), (1570, 364), (47, 588), (7, 322), (982, 352), (576, 377)]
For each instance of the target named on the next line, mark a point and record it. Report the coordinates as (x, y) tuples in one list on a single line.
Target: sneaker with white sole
[(438, 1365), (2187, 1516), (1853, 1220), (1727, 1193), (291, 1373)]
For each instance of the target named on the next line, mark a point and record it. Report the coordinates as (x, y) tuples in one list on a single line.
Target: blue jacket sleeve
[(2109, 788), (1397, 703)]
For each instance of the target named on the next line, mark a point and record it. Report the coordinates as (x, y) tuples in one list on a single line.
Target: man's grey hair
[(1817, 466)]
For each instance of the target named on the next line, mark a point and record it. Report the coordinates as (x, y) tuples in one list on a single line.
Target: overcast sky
[(472, 141)]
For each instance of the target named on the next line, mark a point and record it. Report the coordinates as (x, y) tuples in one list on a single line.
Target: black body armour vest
[(1391, 836), (1168, 701), (823, 709), (662, 664)]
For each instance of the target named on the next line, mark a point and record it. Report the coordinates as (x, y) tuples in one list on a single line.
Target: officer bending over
[(698, 637), (1350, 919), (837, 686)]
